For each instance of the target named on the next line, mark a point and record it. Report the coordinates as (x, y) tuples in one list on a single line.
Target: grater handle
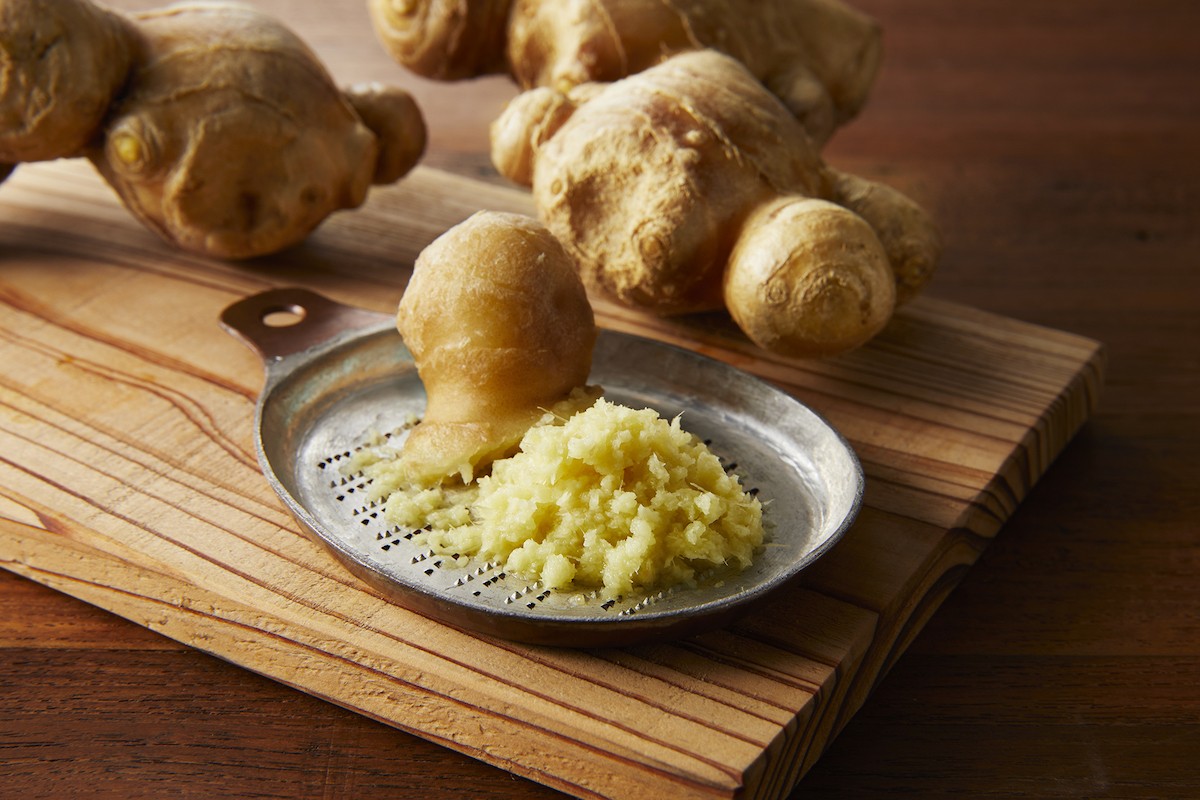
[(279, 322)]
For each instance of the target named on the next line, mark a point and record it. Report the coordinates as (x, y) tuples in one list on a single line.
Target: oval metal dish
[(339, 374)]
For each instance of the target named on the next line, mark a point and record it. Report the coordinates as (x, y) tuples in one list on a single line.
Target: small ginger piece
[(214, 123), (501, 331), (689, 187), (808, 277), (446, 40), (820, 57), (907, 232)]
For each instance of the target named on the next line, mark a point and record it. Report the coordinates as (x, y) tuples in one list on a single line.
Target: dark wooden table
[(1059, 146)]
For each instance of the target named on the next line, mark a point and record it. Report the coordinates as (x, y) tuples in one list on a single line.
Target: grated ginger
[(612, 499)]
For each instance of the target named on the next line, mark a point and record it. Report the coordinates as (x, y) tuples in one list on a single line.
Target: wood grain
[(1058, 147), (130, 482)]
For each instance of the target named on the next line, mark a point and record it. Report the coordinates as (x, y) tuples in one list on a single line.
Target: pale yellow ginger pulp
[(613, 499)]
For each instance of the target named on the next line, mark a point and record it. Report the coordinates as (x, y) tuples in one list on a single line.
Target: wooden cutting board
[(128, 479)]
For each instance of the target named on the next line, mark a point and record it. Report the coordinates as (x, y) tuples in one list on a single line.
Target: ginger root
[(689, 187), (214, 123), (60, 66), (819, 56), (501, 332)]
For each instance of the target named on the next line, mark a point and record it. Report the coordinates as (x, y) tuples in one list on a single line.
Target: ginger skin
[(820, 57), (60, 65), (689, 187), (216, 125), (501, 331)]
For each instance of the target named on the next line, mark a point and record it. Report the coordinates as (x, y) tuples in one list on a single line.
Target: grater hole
[(525, 591), (644, 603), (539, 599), (388, 534)]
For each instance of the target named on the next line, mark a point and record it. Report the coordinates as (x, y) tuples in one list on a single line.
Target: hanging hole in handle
[(287, 320), (284, 316)]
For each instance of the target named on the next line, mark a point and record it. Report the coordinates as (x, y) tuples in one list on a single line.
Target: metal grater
[(341, 373)]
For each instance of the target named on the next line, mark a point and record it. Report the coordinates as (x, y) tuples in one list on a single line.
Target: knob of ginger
[(820, 57), (61, 64), (501, 331), (214, 123), (690, 187)]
